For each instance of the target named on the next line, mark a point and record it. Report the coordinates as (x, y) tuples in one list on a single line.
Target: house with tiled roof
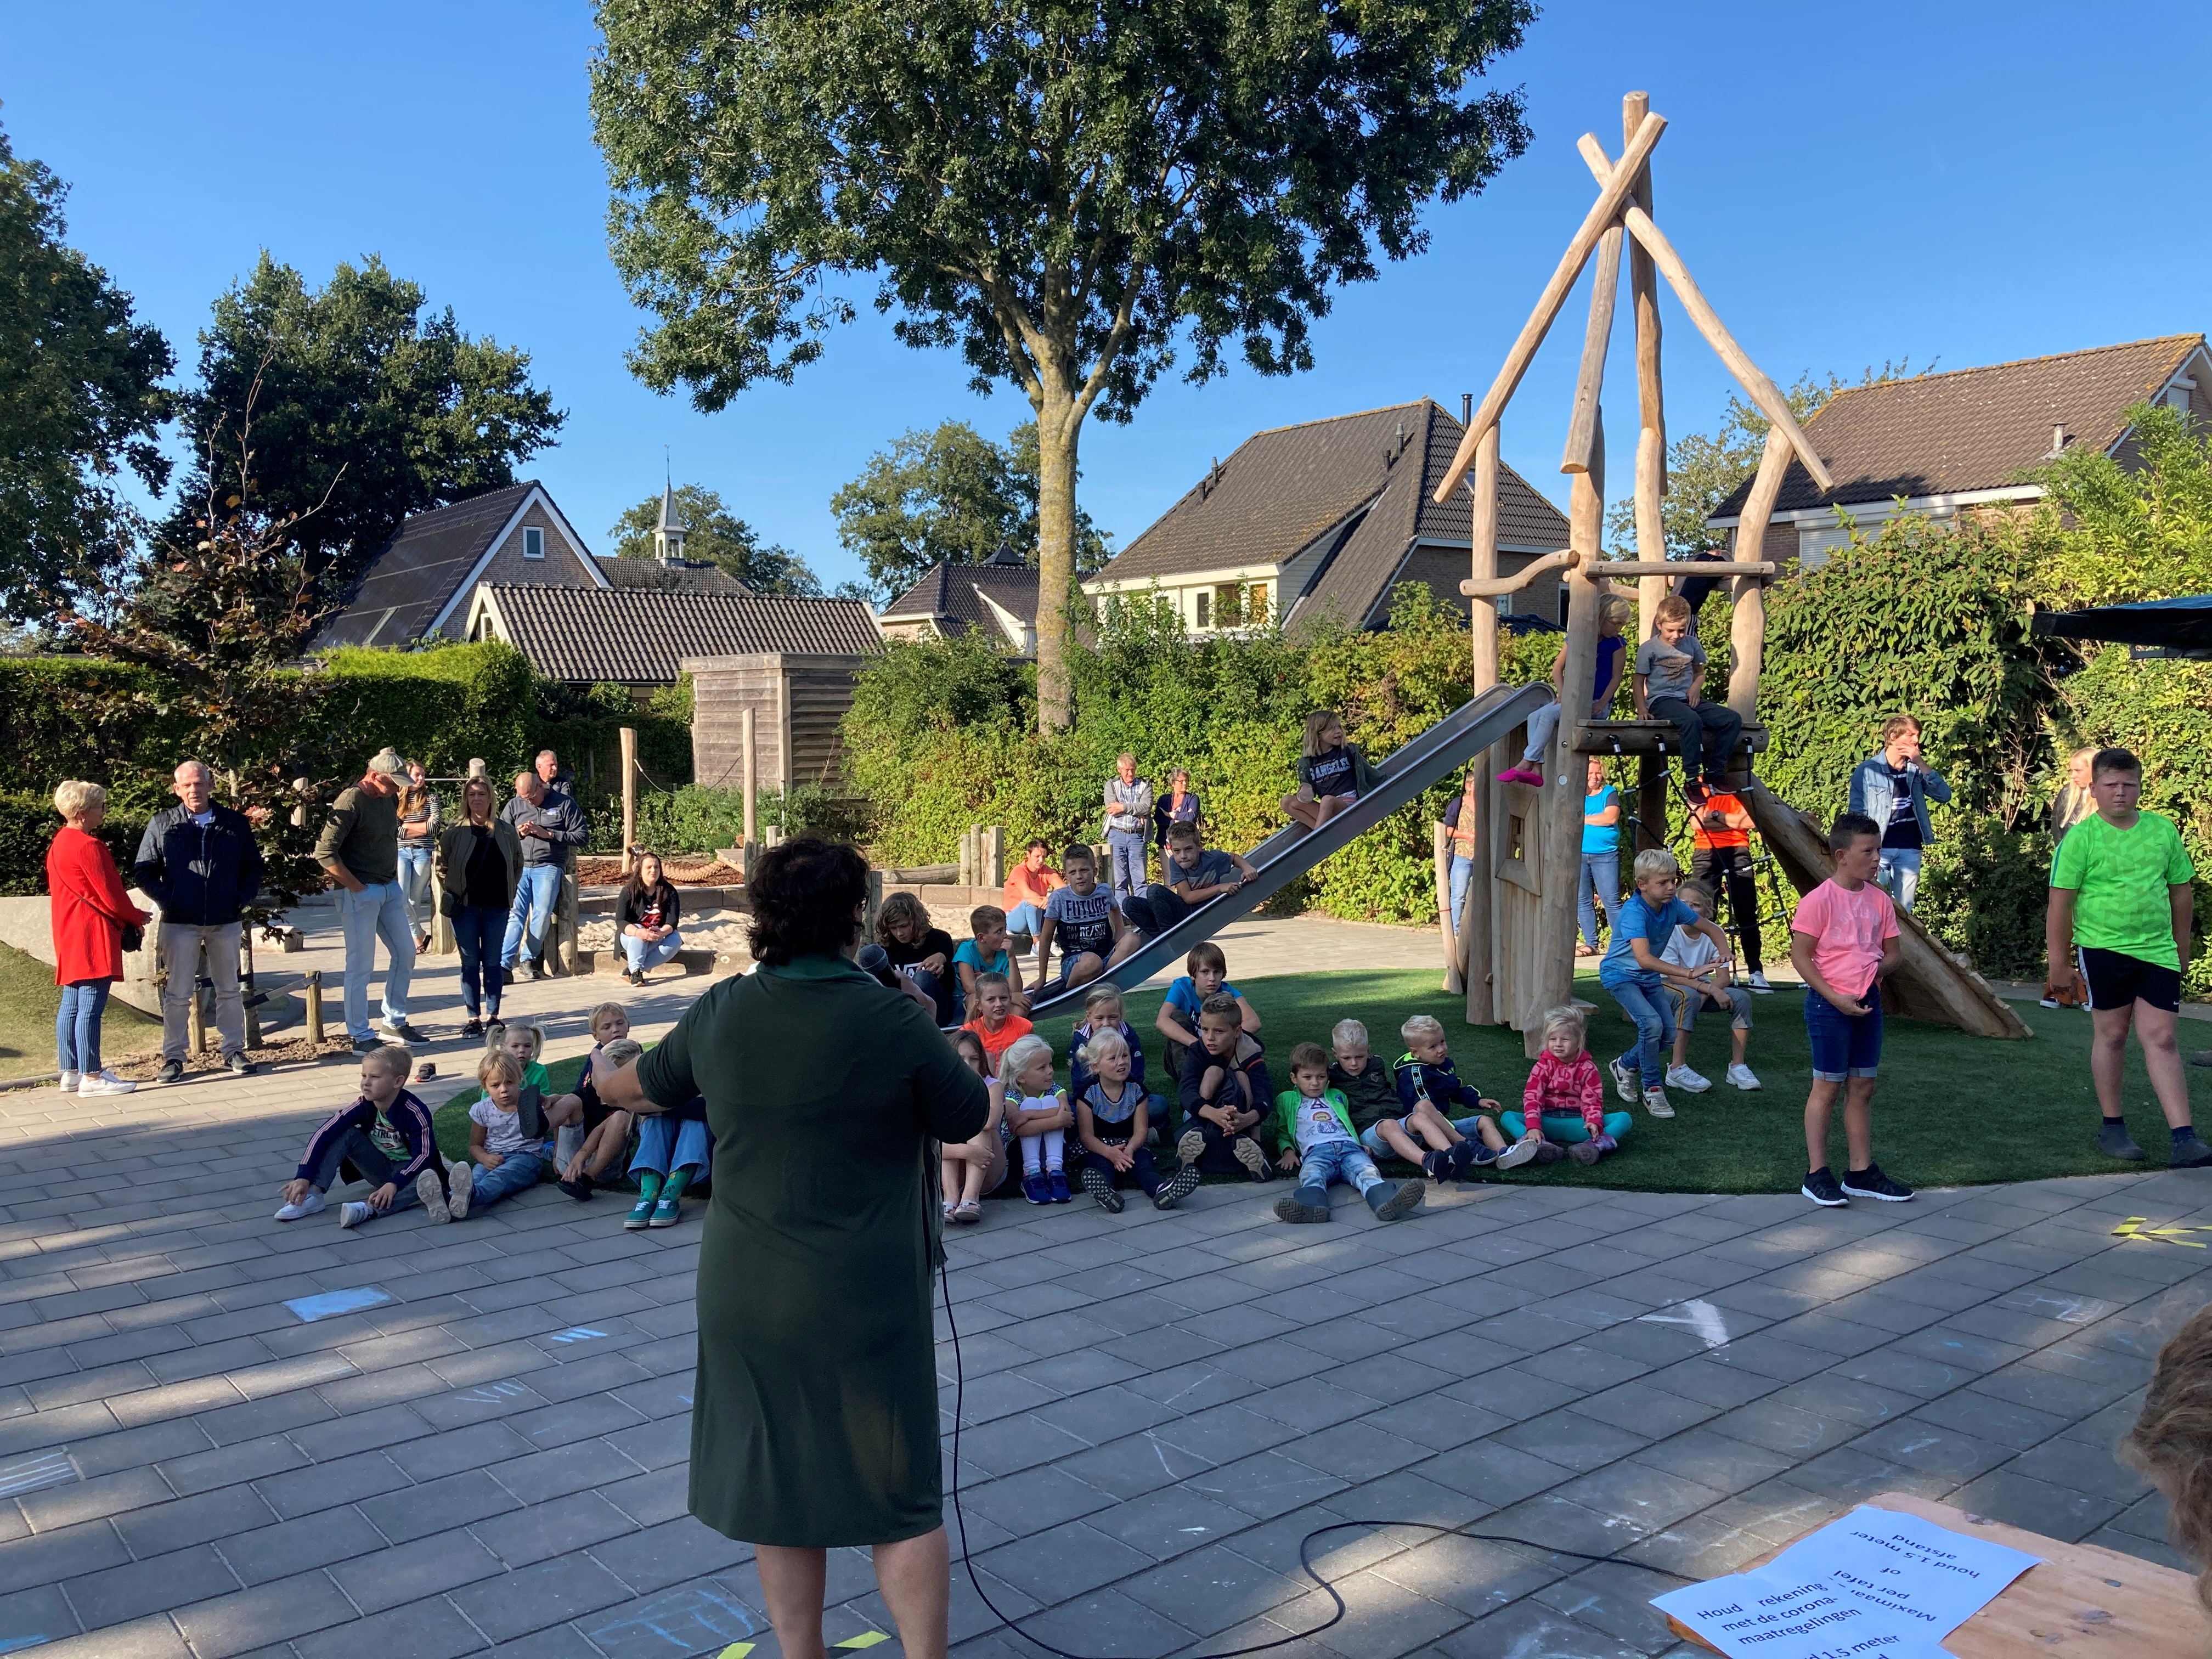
[(1943, 444), (1325, 519), (998, 597)]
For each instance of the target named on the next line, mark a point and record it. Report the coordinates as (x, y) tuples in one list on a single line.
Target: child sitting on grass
[(987, 953), (973, 1167), (1205, 974), (599, 1131), (996, 1025), (1370, 1091), (1708, 987), (1112, 1118), (673, 1150), (1102, 1011), (1314, 1126), (1225, 1089), (507, 1135), (1636, 974), (385, 1135), (1564, 1104), (1040, 1118), (1431, 1090)]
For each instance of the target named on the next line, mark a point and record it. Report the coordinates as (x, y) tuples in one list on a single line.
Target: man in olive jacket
[(198, 863)]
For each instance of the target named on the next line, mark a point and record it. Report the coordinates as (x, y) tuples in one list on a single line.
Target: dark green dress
[(816, 1420)]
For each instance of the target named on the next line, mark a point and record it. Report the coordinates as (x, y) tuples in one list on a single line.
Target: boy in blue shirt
[(986, 953), (1635, 970), (1205, 973)]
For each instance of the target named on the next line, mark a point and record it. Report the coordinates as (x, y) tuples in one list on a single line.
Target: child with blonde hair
[(1636, 973), (1429, 1093), (1564, 1104), (1709, 986), (1113, 1117), (507, 1137), (1103, 1011), (1331, 773), (1040, 1116), (592, 1137), (975, 1167), (384, 1137)]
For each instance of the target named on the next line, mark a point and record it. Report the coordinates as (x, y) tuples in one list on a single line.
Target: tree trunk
[(1059, 426)]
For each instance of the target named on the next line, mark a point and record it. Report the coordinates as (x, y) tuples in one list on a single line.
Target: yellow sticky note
[(736, 1651), (865, 1639)]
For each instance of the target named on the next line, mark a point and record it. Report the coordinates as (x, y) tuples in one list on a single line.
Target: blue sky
[(1958, 183)]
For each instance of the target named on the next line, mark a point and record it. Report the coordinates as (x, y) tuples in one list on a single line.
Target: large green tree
[(948, 495), (1068, 193), (365, 408), (716, 535), (80, 401)]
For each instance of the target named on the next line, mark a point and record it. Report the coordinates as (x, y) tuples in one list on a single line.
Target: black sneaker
[(170, 1072), (2189, 1154), (1100, 1186), (240, 1066), (402, 1031), (367, 1045), (1871, 1183), (1176, 1187), (1823, 1188), (473, 1028), (2113, 1140), (579, 1189), (1304, 1203)]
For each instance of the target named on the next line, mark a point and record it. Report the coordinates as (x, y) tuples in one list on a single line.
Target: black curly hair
[(805, 895)]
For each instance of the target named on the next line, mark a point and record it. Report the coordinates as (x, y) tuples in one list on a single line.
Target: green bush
[(27, 825)]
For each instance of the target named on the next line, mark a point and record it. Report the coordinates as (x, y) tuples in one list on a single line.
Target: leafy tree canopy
[(367, 410), (80, 401), (948, 495), (1065, 192), (2142, 532), (716, 535)]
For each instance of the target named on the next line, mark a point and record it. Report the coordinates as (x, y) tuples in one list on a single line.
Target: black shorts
[(2117, 979)]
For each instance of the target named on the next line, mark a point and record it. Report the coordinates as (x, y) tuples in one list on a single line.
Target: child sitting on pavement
[(1225, 1090), (1040, 1115), (507, 1134), (674, 1149), (996, 1025), (973, 1167), (1315, 1127), (600, 1131), (1205, 974), (1112, 1117), (986, 953), (1708, 987), (385, 1135), (1370, 1092), (1431, 1090), (1564, 1104)]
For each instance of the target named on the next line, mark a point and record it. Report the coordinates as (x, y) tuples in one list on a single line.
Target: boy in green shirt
[(2120, 889)]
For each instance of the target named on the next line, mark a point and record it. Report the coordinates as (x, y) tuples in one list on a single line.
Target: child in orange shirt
[(997, 1027)]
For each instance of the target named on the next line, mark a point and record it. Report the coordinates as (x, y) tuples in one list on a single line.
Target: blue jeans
[(414, 880), (642, 954), (1900, 873), (1462, 872), (477, 930), (1024, 918), (378, 910), (1654, 1031), (1335, 1160), (1371, 1141), (518, 1172), (535, 895), (1601, 878), (77, 1027), (1126, 848), (664, 1145)]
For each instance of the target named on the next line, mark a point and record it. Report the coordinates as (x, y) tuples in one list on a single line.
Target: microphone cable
[(1305, 1544)]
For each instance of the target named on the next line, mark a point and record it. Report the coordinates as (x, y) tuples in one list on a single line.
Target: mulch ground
[(608, 872)]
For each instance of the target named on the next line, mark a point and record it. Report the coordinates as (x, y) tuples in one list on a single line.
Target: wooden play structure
[(1512, 948)]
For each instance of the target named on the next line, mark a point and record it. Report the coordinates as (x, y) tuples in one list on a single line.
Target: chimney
[(2058, 441), (1467, 409)]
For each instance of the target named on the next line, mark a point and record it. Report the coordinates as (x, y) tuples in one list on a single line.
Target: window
[(1205, 609), (1255, 605), (533, 542), (1228, 610)]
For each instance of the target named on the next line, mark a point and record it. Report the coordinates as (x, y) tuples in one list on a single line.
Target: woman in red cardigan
[(90, 911)]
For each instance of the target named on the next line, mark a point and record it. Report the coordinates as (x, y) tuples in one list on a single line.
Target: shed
[(799, 700)]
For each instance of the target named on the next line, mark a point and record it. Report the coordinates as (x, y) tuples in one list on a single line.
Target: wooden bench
[(2080, 1599), (1645, 738)]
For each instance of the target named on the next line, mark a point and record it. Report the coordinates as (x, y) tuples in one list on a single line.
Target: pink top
[(1563, 1085), (1848, 930)]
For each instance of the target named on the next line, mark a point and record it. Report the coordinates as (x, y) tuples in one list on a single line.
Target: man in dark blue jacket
[(198, 864)]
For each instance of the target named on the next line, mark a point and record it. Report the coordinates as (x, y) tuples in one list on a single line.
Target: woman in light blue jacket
[(1894, 788)]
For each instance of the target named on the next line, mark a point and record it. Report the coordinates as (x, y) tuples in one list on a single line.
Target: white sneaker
[(1758, 982), (353, 1214), (313, 1204), (461, 1180), (1742, 1076), (1682, 1078), (431, 1194), (1624, 1082), (70, 1079), (1656, 1104), (2047, 1002), (103, 1082)]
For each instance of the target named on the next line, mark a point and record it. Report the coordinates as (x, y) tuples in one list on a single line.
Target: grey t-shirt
[(1668, 668)]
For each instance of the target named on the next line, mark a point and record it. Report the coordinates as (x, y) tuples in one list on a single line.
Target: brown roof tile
[(638, 637), (1971, 428), (952, 595), (416, 571), (653, 576)]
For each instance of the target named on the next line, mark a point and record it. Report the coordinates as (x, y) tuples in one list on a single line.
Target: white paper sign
[(1749, 1614)]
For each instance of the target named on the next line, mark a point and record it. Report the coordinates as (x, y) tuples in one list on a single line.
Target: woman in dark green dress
[(815, 1425)]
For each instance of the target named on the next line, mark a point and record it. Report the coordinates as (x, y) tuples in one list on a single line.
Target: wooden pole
[(1553, 978), (1473, 935), (751, 765), (1650, 803), (628, 736), (314, 982), (1748, 620), (1483, 559), (1603, 212), (1589, 383), (1650, 401)]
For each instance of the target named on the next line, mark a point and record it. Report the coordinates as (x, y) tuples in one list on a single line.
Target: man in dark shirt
[(359, 848), (198, 864), (548, 823)]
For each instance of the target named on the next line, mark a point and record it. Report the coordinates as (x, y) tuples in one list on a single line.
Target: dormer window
[(533, 542)]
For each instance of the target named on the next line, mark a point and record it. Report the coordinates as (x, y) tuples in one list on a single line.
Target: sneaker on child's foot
[(352, 1214), (1824, 1189), (1743, 1077), (431, 1192), (2048, 1002), (666, 1209), (580, 1188), (69, 1082), (641, 1215), (1391, 1199), (311, 1205), (1550, 1152), (1440, 1166), (1757, 980), (1255, 1161), (1527, 774), (1100, 1186), (460, 1188), (1584, 1152), (1190, 1146), (2113, 1140), (1871, 1183), (1302, 1204), (1656, 1104), (1176, 1187), (1517, 1154), (967, 1211), (1055, 1183), (1626, 1083), (1689, 1081), (1035, 1187)]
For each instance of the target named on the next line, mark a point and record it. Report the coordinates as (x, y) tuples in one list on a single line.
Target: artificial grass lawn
[(29, 1000), (1950, 1110)]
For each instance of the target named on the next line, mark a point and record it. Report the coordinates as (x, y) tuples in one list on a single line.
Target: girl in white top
[(1695, 950), (1041, 1117)]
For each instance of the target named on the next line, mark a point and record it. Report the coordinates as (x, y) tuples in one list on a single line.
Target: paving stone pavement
[(1155, 1408)]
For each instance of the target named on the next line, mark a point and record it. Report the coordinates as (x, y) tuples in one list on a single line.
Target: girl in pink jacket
[(1563, 1104)]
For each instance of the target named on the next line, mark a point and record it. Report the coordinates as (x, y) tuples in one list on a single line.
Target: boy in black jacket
[(385, 1136), (1226, 1093), (1445, 1111)]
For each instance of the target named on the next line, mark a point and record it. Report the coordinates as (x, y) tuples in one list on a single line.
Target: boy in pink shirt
[(1842, 941)]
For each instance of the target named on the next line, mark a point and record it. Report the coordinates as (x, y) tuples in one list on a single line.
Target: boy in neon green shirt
[(1313, 1130), (2120, 889)]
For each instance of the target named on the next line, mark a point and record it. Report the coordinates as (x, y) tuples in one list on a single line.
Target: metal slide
[(1441, 751)]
